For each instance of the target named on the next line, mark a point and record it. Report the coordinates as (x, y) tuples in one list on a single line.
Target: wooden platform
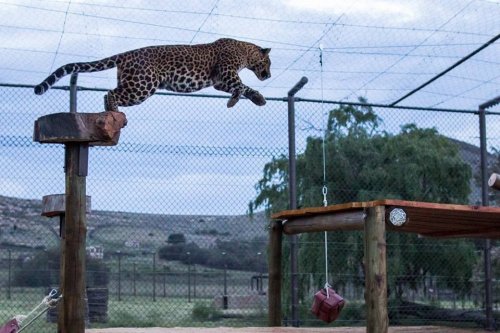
[(424, 218), (374, 218)]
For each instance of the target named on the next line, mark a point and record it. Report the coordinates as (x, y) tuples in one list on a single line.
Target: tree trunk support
[(377, 320), (275, 274), (72, 314)]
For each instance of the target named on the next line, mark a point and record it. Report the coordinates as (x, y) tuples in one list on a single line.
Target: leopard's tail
[(77, 67)]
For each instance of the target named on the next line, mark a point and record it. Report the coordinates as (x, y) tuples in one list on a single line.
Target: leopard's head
[(260, 63)]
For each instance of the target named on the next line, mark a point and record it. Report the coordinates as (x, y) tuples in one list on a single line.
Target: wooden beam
[(55, 205), (377, 320), (99, 128), (275, 273), (494, 181), (490, 232), (343, 220)]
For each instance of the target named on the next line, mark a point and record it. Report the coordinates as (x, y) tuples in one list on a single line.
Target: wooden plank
[(99, 128), (377, 319), (275, 273), (287, 214), (55, 205), (342, 220)]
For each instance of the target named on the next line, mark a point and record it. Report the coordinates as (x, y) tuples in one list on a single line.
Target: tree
[(364, 163), (176, 239)]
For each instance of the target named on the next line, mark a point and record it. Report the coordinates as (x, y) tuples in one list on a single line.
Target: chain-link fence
[(175, 237)]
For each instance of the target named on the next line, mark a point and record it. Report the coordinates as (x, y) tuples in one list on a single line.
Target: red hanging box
[(327, 305), (12, 326)]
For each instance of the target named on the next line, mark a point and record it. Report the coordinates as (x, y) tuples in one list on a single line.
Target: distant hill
[(21, 225)]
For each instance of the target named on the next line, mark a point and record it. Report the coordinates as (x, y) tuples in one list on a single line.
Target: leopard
[(177, 68)]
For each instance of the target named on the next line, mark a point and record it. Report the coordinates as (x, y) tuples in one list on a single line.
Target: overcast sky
[(377, 49)]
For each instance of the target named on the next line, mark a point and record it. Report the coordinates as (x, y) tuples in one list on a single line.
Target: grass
[(140, 311)]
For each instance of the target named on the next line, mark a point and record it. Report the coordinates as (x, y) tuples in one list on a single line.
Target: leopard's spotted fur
[(179, 68)]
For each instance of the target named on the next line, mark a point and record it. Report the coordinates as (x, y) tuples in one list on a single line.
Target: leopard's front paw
[(232, 102), (257, 98)]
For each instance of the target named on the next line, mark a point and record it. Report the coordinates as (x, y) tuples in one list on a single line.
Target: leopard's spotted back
[(179, 68)]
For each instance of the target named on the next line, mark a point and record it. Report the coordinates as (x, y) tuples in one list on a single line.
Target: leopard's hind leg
[(134, 87)]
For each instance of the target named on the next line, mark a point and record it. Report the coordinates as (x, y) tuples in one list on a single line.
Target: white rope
[(48, 301), (325, 203), (325, 188)]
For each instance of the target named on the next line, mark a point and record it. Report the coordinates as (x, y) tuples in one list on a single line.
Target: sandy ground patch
[(419, 329)]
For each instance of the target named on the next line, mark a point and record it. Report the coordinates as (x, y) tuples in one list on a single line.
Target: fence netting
[(178, 232)]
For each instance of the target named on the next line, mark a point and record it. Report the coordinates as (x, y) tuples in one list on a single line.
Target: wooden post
[(77, 131), (72, 314), (275, 273), (377, 320)]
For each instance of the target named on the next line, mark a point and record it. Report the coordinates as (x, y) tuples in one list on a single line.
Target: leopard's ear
[(265, 51)]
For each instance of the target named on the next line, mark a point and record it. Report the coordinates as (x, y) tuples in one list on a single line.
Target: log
[(275, 273), (335, 221), (55, 205), (377, 319), (100, 129), (72, 276), (494, 181)]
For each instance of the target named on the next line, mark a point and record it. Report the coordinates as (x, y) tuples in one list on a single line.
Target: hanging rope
[(325, 188), (324, 191), (48, 302)]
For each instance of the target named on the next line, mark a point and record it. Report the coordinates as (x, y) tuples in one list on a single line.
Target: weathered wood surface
[(275, 274), (97, 128), (72, 277), (348, 220), (55, 205), (377, 319), (494, 181), (425, 218)]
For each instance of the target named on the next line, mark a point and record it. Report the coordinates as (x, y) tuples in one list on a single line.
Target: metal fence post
[(9, 278), (119, 275), (488, 291), (292, 176), (154, 276), (134, 278)]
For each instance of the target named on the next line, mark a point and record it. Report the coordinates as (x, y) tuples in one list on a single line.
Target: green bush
[(204, 312), (176, 239)]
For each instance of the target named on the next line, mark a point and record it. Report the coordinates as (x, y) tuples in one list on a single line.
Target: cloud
[(398, 10)]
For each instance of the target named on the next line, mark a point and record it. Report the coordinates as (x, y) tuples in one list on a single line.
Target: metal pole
[(154, 276), (225, 302), (9, 281), (72, 92), (488, 291), (164, 281), (189, 276), (194, 281), (292, 179), (119, 276), (134, 279)]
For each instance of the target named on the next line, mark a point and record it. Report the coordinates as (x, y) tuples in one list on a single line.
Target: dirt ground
[(418, 329)]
